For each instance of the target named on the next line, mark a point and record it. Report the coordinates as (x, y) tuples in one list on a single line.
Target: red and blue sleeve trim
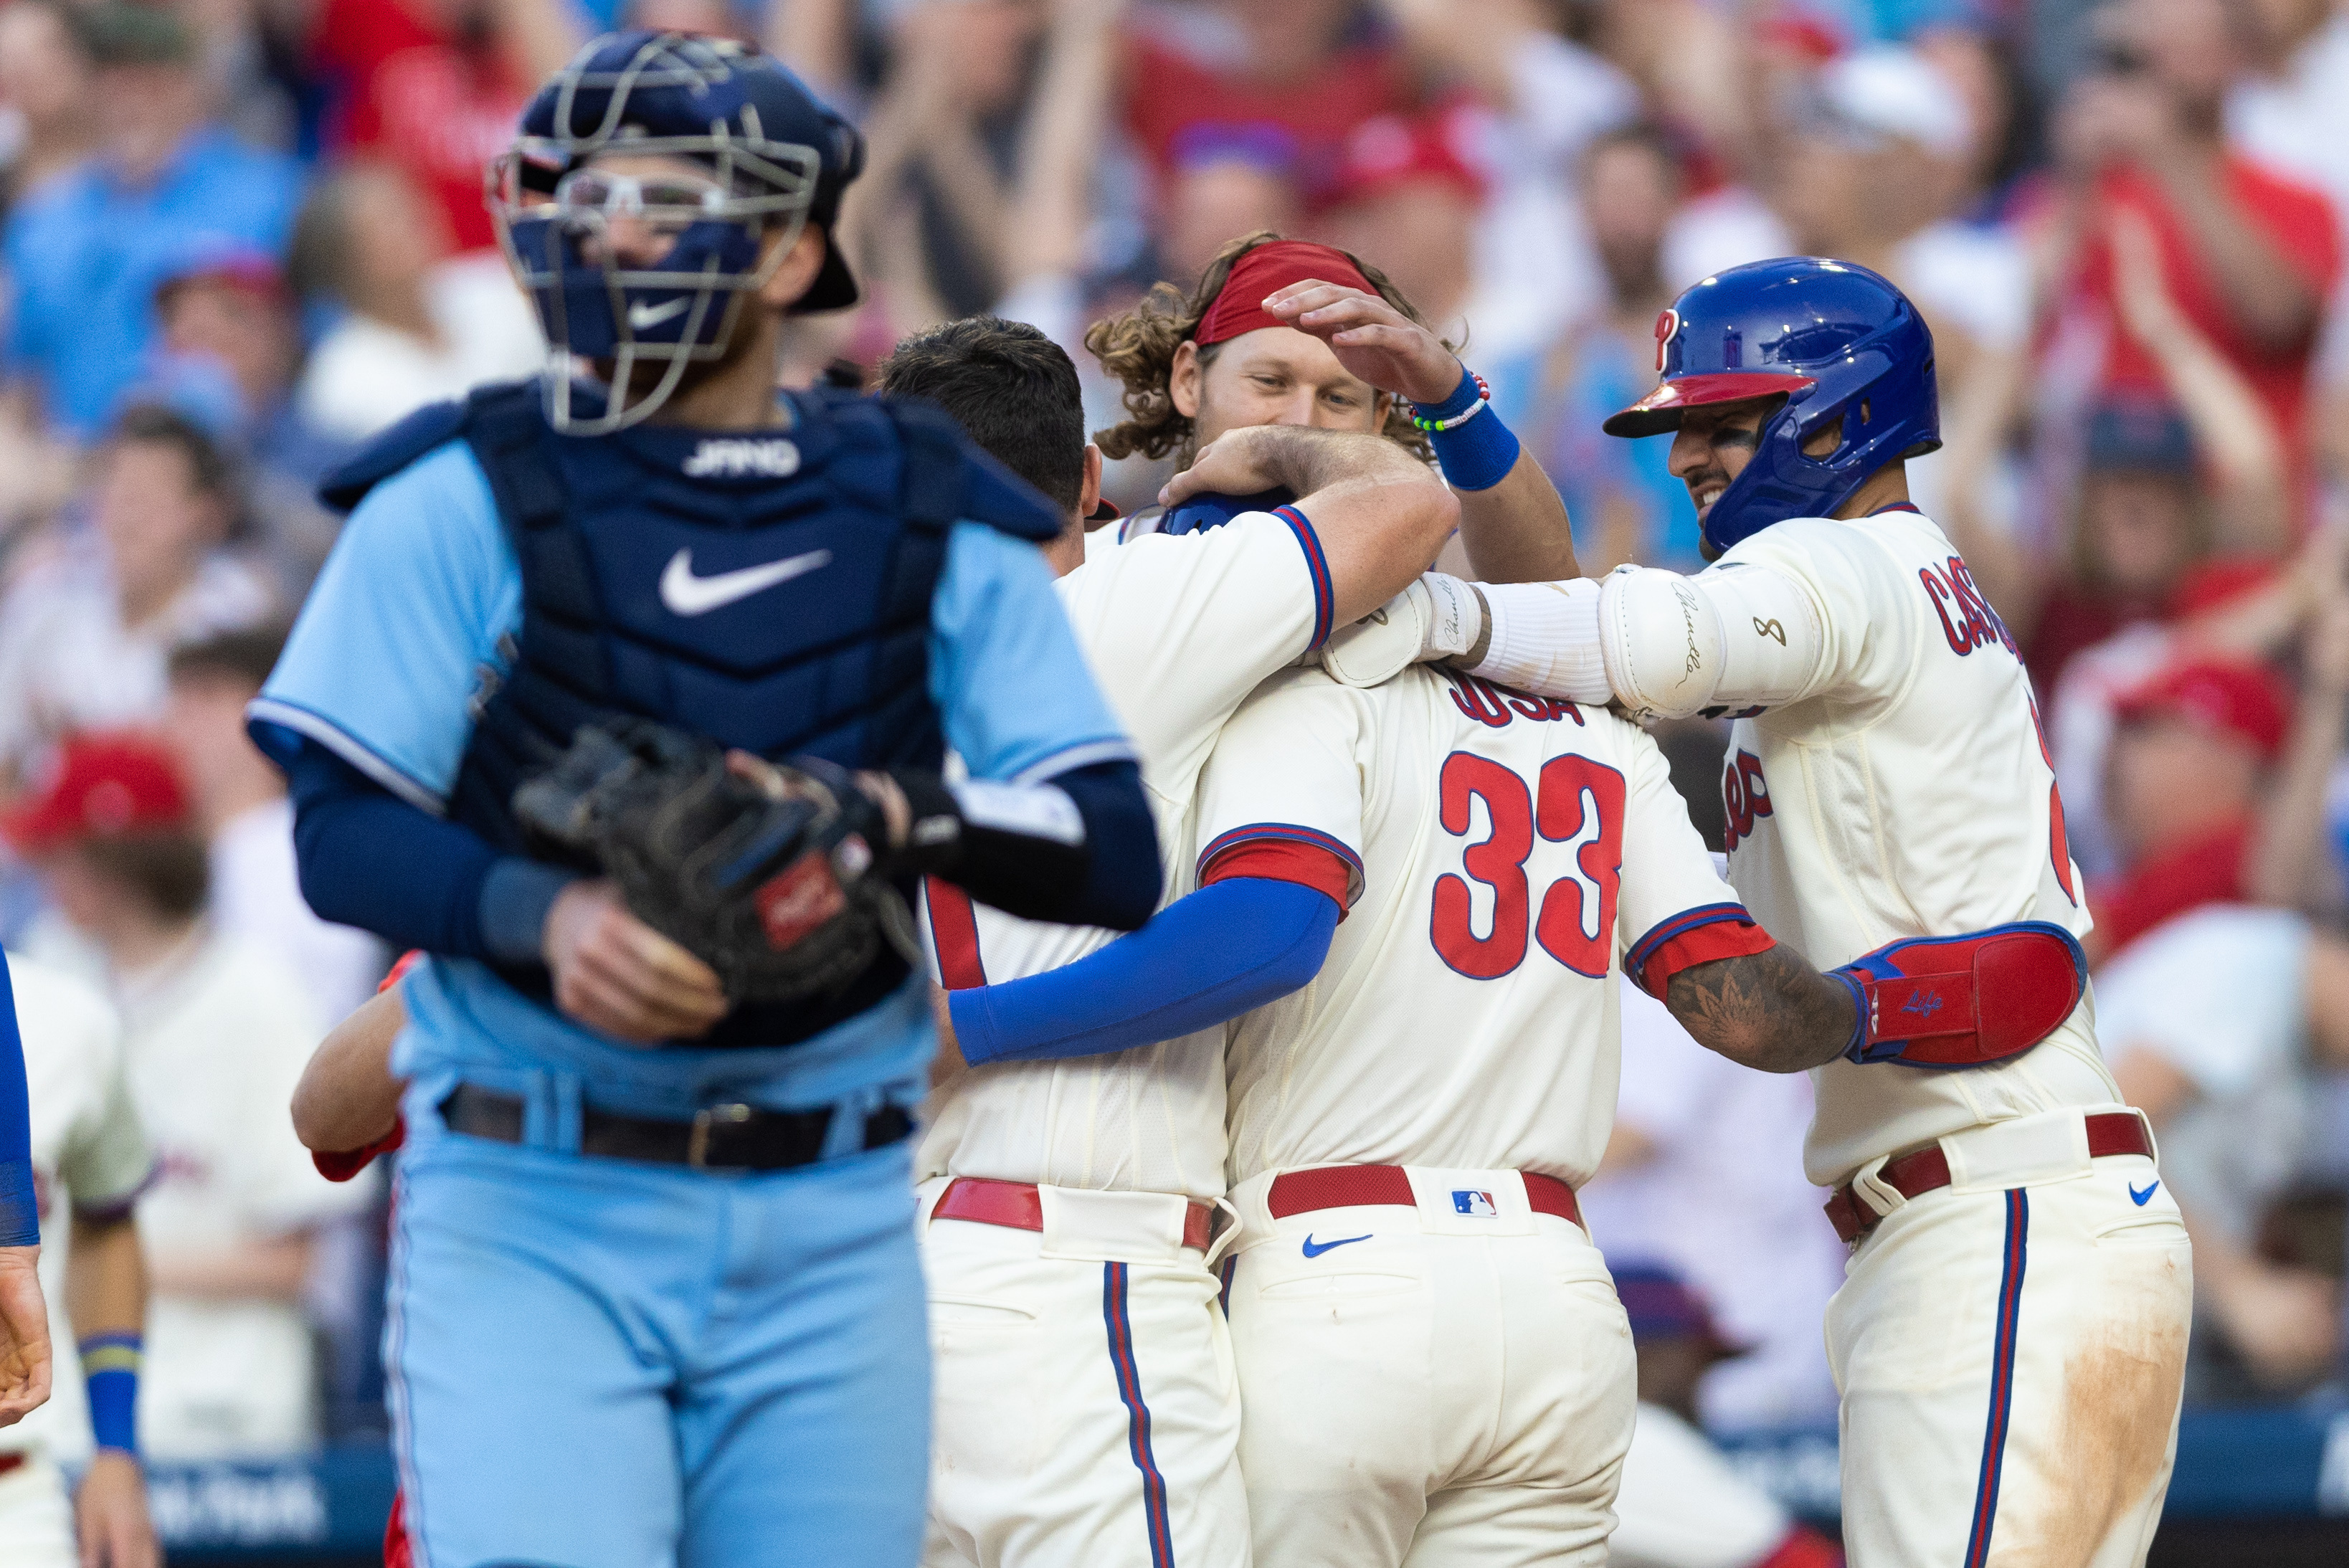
[(1289, 833), (1898, 506), (1693, 936), (1317, 565), (1288, 860)]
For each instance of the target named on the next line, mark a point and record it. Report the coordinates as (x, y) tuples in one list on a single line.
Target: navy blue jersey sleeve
[(370, 859)]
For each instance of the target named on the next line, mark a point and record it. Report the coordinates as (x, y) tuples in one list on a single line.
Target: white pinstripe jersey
[(1510, 851), (1178, 630), (1903, 790)]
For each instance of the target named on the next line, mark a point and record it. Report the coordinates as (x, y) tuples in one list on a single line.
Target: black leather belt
[(722, 1137)]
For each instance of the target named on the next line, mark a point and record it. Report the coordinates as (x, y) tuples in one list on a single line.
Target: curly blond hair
[(1138, 348)]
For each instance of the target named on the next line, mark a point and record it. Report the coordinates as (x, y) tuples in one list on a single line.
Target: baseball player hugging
[(1086, 1410), (627, 700), (2011, 1337), (1413, 891)]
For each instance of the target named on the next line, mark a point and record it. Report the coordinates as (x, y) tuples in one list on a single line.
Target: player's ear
[(1089, 492), (1182, 379), (794, 274)]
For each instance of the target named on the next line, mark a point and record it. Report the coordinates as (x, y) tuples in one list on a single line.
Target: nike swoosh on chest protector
[(686, 594)]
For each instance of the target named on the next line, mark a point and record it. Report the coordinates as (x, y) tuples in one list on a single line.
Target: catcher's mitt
[(771, 880)]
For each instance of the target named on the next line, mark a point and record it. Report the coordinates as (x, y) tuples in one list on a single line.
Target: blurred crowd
[(241, 236)]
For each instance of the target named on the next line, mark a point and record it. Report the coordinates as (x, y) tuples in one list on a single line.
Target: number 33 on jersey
[(1518, 849)]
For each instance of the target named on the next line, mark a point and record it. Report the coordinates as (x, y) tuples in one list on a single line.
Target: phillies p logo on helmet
[(1666, 324)]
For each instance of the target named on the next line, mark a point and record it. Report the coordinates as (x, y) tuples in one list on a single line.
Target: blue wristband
[(516, 896), (110, 1370), (1478, 455), (1456, 402)]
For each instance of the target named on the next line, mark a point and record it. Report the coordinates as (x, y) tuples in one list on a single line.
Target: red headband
[(1264, 271)]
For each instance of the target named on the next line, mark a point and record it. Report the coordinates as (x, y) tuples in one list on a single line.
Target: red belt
[(1018, 1206), (1926, 1170), (1371, 1186)]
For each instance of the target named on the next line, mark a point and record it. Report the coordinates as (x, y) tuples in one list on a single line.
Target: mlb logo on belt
[(1479, 1205)]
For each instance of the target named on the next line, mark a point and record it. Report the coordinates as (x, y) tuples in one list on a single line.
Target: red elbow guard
[(1965, 1001)]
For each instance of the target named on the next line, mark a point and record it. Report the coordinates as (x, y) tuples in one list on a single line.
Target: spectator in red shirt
[(2248, 254), (1313, 68), (2188, 766), (437, 87)]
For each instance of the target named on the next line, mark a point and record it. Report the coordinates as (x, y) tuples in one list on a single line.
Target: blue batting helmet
[(1833, 339), (764, 153)]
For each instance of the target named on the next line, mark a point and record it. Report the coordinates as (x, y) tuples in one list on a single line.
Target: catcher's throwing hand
[(1370, 339), (24, 1336), (616, 974)]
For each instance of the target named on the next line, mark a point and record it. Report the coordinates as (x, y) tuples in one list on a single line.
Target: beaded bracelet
[(1484, 396)]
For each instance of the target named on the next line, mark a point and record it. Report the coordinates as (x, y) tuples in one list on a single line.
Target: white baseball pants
[(36, 1526), (2011, 1351), (1087, 1414), (1449, 1383)]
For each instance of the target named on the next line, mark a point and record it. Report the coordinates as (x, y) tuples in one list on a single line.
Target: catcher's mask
[(724, 147)]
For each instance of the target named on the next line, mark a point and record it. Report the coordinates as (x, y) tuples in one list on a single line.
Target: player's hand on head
[(110, 1514), (25, 1360), (1370, 339), (616, 974)]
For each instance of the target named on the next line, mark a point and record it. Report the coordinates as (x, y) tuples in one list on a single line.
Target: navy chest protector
[(769, 590)]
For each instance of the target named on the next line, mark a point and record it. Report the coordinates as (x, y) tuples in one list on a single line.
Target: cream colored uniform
[(1086, 1412), (90, 1157), (1899, 786), (215, 1036), (1449, 1382)]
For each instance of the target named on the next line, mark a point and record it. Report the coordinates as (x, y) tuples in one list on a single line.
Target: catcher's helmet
[(1832, 338), (771, 152)]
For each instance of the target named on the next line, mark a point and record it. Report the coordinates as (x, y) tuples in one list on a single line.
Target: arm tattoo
[(1769, 1010)]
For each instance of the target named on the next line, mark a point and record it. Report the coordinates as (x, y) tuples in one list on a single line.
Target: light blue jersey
[(412, 623)]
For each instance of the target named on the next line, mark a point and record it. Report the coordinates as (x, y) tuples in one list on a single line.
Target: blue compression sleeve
[(1228, 947), (371, 859), (20, 1212)]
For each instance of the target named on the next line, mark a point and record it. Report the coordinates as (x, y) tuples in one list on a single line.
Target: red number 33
[(1580, 802)]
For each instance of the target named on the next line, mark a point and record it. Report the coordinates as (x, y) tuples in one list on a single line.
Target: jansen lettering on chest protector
[(736, 457)]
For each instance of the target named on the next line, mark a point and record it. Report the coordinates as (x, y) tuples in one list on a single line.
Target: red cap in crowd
[(1388, 151), (2222, 698), (1265, 272), (253, 270), (99, 786)]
